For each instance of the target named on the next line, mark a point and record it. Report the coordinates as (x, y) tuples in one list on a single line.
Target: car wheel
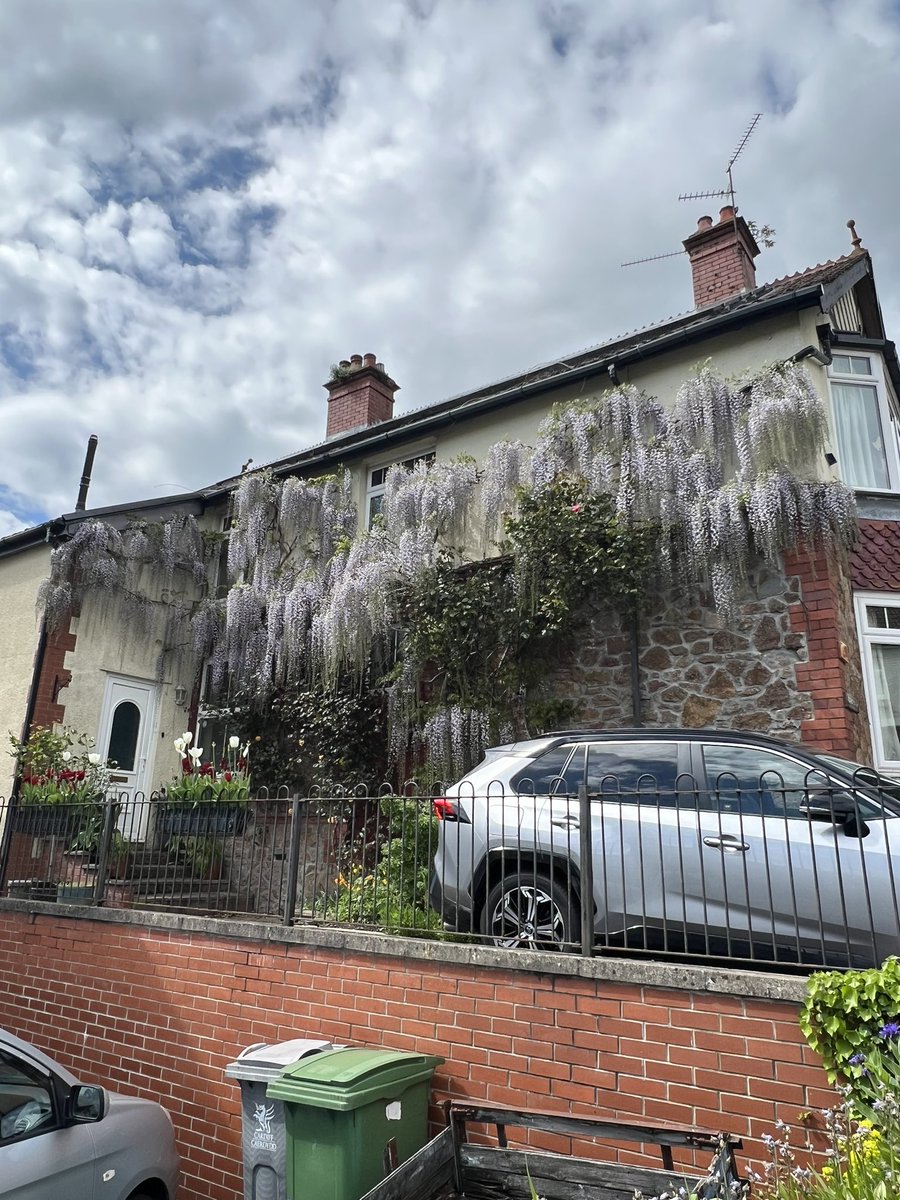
[(530, 912)]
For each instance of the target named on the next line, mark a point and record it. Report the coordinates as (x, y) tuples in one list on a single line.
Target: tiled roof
[(821, 273), (875, 564), (690, 324)]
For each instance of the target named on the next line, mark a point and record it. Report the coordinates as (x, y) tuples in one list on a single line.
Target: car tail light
[(447, 809)]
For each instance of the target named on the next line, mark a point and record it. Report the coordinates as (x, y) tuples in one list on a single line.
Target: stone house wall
[(787, 664)]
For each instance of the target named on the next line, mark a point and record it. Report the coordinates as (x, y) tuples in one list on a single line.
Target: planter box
[(74, 893), (181, 820), (51, 820), (31, 889)]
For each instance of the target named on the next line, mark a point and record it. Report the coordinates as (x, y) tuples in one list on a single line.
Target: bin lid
[(261, 1062), (350, 1077)]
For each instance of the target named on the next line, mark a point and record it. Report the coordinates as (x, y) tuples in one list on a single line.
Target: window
[(749, 780), (377, 478), (559, 772), (26, 1098), (217, 719), (634, 772), (865, 423), (123, 736), (879, 629)]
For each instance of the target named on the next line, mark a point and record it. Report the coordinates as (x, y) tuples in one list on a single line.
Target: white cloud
[(204, 205)]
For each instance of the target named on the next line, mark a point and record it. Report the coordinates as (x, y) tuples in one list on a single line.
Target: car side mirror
[(838, 808), (87, 1103), (835, 807)]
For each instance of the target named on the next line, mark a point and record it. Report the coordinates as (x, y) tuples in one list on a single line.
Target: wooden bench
[(459, 1164)]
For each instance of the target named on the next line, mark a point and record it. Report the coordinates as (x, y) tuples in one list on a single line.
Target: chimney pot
[(369, 360), (726, 213), (705, 223), (356, 360)]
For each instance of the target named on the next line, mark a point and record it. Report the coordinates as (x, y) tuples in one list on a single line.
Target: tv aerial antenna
[(718, 193)]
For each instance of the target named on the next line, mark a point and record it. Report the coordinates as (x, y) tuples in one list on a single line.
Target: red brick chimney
[(722, 257), (360, 394)]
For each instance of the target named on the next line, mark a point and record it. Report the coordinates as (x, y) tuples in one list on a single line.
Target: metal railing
[(771, 874)]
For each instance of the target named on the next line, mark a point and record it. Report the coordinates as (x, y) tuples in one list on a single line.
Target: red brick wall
[(160, 1012)]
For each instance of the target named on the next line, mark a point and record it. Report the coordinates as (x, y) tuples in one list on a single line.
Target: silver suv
[(699, 842), (63, 1140)]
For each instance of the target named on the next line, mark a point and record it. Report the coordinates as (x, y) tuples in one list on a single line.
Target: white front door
[(126, 738)]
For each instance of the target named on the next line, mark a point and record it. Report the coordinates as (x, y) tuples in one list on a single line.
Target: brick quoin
[(53, 677), (832, 674), (159, 1012)]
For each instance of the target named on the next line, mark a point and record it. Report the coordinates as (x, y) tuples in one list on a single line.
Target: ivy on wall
[(461, 598)]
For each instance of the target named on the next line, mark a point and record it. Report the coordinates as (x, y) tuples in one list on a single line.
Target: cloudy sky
[(205, 203)]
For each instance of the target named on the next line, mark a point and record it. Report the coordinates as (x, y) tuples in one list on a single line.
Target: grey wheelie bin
[(342, 1108), (263, 1135)]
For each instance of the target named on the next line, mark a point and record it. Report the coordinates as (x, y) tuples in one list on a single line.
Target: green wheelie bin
[(342, 1107)]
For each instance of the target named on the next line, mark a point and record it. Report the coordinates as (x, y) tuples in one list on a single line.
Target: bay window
[(865, 423)]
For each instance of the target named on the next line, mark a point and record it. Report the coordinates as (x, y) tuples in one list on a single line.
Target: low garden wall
[(158, 1004)]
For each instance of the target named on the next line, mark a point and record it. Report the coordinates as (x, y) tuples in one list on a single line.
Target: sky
[(206, 203)]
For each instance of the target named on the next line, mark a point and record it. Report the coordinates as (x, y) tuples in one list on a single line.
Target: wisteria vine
[(728, 475)]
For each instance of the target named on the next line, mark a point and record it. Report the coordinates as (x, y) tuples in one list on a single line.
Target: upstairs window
[(377, 479), (865, 423)]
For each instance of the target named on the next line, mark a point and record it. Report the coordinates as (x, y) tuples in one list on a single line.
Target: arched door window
[(123, 735)]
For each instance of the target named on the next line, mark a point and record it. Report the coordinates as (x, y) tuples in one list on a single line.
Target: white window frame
[(888, 413), (869, 637), (211, 714), (376, 490)]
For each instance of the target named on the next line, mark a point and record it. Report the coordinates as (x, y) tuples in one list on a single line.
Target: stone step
[(194, 901)]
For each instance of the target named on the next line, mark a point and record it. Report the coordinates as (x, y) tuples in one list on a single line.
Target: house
[(812, 651)]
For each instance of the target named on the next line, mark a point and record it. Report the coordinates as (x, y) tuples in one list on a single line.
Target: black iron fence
[(801, 875)]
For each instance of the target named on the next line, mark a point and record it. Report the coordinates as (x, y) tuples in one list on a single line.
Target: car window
[(634, 772), (558, 771), (746, 779), (26, 1099)]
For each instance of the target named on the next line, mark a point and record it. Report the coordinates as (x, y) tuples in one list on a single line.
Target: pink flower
[(576, 508)]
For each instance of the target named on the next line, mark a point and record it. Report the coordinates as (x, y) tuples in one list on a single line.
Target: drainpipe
[(634, 630)]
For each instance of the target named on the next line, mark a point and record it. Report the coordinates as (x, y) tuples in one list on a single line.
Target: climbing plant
[(461, 598), (149, 574)]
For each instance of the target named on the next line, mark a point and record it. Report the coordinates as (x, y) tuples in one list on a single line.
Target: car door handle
[(726, 842), (564, 822)]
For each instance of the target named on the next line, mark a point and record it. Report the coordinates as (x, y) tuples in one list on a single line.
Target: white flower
[(196, 753), (66, 755), (187, 737), (233, 742), (94, 760), (179, 745), (245, 750)]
